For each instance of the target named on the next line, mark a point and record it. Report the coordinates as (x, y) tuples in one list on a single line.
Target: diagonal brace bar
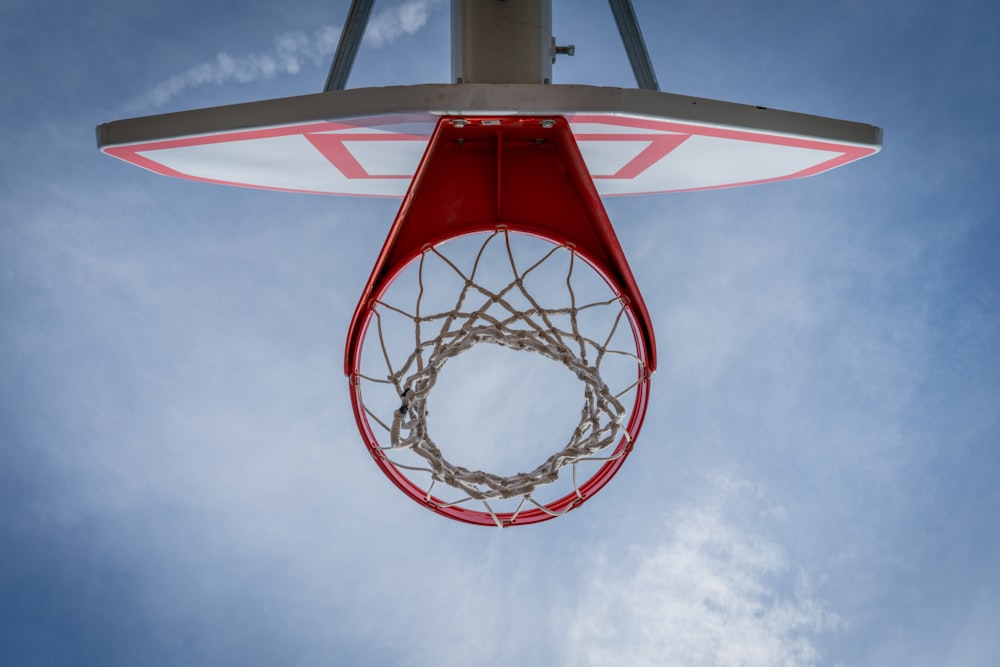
[(350, 40), (635, 47)]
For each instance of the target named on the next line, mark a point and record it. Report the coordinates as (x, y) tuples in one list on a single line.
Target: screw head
[(548, 123), (459, 122)]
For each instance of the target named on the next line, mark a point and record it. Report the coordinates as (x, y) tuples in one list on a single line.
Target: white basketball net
[(510, 316)]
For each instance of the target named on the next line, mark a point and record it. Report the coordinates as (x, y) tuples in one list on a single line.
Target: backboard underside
[(369, 141)]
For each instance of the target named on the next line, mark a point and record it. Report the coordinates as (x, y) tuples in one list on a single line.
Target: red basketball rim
[(526, 515)]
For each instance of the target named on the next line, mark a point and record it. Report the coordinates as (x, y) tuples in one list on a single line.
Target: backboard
[(369, 141)]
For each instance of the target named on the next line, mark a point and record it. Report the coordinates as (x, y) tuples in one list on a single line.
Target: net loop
[(484, 316)]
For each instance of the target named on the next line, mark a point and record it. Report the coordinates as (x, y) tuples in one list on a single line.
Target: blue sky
[(181, 480)]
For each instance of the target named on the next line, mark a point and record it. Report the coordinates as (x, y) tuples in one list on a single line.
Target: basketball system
[(501, 238)]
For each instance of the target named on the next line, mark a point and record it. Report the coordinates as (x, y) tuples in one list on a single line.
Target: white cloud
[(289, 53), (389, 25), (711, 593)]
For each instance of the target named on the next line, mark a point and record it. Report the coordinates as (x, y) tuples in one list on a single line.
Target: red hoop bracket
[(525, 173)]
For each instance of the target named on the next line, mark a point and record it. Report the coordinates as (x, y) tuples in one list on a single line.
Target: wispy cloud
[(387, 26), (289, 53), (711, 593)]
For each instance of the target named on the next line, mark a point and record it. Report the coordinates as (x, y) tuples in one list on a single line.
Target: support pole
[(350, 40), (635, 46), (501, 42)]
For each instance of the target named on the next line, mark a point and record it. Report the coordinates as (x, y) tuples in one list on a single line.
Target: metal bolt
[(459, 122), (548, 123)]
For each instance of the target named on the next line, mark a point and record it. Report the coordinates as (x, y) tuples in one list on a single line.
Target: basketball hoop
[(501, 174), (502, 182)]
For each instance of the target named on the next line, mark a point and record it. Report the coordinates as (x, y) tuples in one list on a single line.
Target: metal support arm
[(350, 40), (635, 47)]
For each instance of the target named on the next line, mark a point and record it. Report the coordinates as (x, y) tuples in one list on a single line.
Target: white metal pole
[(501, 41)]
